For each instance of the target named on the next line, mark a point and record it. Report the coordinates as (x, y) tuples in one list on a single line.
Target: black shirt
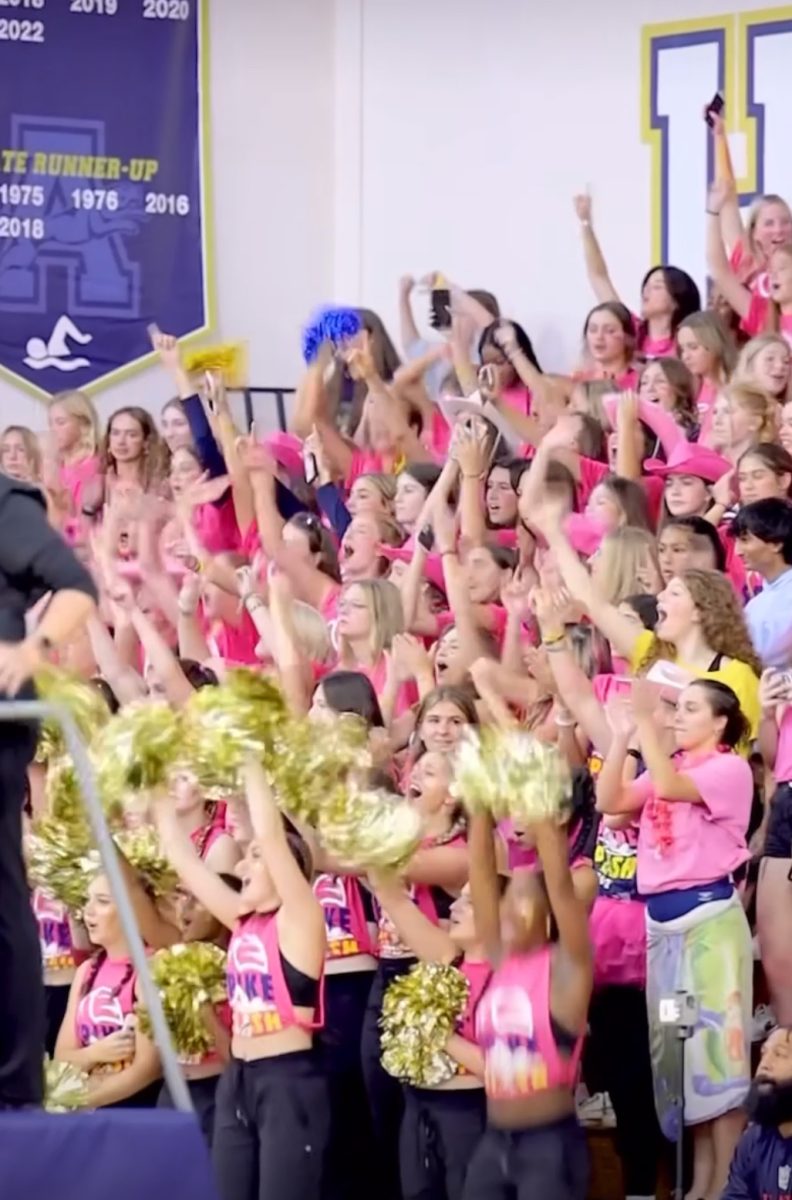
[(34, 559)]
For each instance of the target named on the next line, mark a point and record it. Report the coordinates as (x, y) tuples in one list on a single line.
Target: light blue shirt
[(769, 620)]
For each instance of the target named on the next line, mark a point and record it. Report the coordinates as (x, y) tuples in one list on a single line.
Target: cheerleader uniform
[(526, 1052), (350, 963), (58, 960), (272, 1114), (106, 1006), (385, 1094), (442, 1126)]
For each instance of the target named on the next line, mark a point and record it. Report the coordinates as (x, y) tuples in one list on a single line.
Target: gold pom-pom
[(369, 830), (65, 1087), (227, 359), (225, 725), (59, 860), (136, 750), (84, 702), (188, 977), (141, 849), (511, 774), (309, 772), (419, 1013)]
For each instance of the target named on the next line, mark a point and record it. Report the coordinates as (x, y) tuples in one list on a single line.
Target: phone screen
[(440, 314), (714, 108)]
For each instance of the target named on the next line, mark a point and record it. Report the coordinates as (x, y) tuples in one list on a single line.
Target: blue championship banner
[(103, 205)]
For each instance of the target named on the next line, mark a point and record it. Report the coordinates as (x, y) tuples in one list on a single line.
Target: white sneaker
[(764, 1022), (597, 1110)]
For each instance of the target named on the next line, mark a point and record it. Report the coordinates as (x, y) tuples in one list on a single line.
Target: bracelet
[(253, 601), (585, 224), (552, 639), (443, 553), (636, 754), (467, 475), (712, 213), (562, 723), (555, 648)]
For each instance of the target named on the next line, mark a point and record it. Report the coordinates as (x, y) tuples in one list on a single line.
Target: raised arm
[(735, 293), (731, 220), (596, 267), (484, 890)]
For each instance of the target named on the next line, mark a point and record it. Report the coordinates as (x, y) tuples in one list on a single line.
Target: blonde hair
[(773, 318), (384, 602), (31, 444), (754, 213), (714, 336), (81, 407), (622, 556), (311, 633), (743, 372), (759, 404), (384, 484)]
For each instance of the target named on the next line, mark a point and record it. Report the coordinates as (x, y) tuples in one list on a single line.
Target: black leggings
[(351, 1163), (203, 1093), (549, 1162), (617, 1061), (439, 1134), (386, 1101), (271, 1129)]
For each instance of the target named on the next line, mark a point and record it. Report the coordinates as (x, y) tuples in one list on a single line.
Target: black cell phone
[(714, 108), (426, 538), (310, 467), (440, 313)]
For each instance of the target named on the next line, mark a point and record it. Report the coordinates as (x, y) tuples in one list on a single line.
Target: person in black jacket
[(34, 561)]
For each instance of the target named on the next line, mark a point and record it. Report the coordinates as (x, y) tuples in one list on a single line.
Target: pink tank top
[(344, 916), (257, 992), (478, 975), (109, 1005), (423, 895), (204, 838), (514, 1029), (55, 941)]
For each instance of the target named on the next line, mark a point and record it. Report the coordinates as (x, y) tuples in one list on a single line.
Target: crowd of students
[(448, 537)]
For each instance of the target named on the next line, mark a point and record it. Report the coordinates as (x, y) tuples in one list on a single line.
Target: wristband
[(562, 722), (253, 602), (712, 213), (636, 754), (553, 639), (187, 608)]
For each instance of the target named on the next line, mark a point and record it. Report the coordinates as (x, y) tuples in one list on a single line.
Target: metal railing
[(35, 710)]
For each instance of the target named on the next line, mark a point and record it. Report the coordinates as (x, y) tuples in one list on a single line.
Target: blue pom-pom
[(336, 325)]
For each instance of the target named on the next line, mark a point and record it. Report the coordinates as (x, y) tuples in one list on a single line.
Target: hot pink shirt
[(406, 696), (344, 916), (682, 845), (705, 404), (782, 768), (216, 526), (744, 266), (110, 1002), (652, 347), (365, 462), (74, 477), (754, 323), (55, 940), (514, 1030), (237, 646), (257, 992)]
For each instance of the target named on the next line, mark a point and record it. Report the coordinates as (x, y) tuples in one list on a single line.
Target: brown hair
[(31, 444), (723, 625), (683, 384), (713, 335), (153, 462)]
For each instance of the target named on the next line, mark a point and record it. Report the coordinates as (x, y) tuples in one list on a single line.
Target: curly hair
[(723, 626)]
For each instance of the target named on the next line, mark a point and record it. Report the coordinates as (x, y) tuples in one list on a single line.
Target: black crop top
[(303, 990)]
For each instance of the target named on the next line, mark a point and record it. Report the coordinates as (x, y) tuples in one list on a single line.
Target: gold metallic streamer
[(369, 829), (141, 849), (84, 702), (136, 750), (511, 774), (65, 1087), (188, 977), (419, 1013), (227, 359), (225, 725)]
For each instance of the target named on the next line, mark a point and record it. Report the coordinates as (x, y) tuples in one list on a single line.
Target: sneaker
[(597, 1110), (764, 1022)]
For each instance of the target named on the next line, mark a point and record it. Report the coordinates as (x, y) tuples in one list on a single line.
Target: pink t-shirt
[(217, 527), (73, 478), (365, 462), (755, 322), (236, 647), (407, 694), (745, 268), (705, 404), (651, 347), (437, 437), (518, 398), (682, 845), (782, 768)]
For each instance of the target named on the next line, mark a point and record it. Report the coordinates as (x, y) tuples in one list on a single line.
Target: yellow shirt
[(736, 675)]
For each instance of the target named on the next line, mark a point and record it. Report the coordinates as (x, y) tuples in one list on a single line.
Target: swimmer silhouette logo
[(102, 217), (56, 351)]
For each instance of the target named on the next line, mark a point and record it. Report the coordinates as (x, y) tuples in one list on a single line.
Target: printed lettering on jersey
[(746, 56), (331, 894), (99, 1014), (616, 861), (251, 991)]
